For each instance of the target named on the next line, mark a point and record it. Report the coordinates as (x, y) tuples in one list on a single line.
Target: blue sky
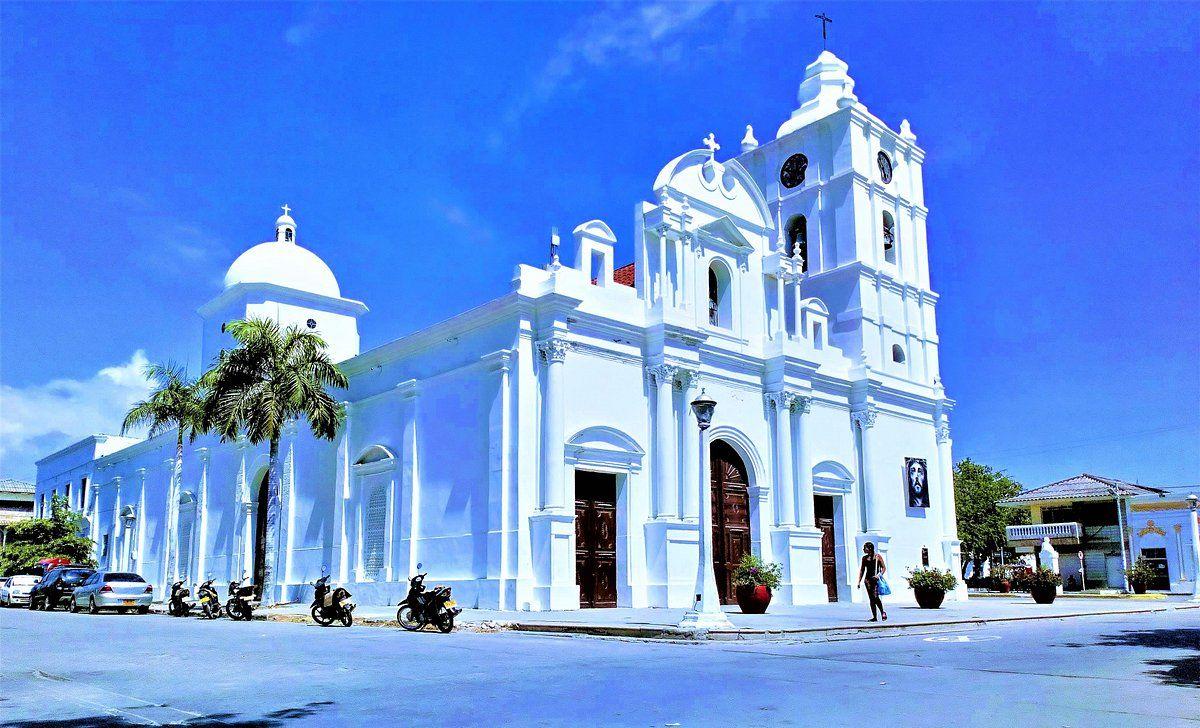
[(427, 149)]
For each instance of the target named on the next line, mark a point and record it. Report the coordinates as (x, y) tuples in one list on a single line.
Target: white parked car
[(15, 590)]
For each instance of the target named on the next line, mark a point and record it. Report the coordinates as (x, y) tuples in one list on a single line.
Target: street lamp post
[(706, 609), (1192, 501)]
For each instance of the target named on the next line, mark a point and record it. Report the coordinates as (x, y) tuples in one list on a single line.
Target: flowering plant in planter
[(754, 580), (1043, 585), (930, 585), (1140, 575)]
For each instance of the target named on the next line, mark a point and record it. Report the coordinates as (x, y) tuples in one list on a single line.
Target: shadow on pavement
[(1180, 671), (270, 720)]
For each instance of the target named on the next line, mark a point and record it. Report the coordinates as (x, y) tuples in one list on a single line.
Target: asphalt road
[(60, 669)]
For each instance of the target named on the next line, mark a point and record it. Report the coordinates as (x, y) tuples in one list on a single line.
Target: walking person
[(872, 570)]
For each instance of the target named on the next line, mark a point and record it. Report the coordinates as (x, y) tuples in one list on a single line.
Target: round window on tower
[(311, 323), (792, 173)]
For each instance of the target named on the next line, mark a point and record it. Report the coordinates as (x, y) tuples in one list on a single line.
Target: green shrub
[(931, 578), (753, 572), (1141, 573)]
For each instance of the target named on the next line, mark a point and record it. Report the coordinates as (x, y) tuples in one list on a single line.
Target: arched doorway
[(730, 514), (260, 532)]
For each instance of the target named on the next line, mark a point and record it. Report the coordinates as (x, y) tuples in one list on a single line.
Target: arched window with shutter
[(889, 237), (797, 240)]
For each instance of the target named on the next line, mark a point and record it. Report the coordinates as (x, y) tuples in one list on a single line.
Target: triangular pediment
[(726, 231)]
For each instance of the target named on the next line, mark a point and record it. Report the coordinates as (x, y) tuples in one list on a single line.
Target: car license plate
[(128, 602), (451, 603)]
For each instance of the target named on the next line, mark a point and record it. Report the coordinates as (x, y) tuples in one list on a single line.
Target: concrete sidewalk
[(810, 622)]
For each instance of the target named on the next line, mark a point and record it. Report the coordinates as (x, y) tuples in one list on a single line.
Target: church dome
[(284, 263)]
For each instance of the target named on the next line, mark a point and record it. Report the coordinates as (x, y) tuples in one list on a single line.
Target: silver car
[(15, 589), (119, 590)]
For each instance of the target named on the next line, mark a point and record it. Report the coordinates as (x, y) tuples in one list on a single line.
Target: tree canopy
[(977, 490), (33, 539)]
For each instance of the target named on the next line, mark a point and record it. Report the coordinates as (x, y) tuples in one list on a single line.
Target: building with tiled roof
[(16, 500), (1084, 517)]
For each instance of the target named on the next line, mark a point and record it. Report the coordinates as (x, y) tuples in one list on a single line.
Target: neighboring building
[(538, 452), (1080, 515), (16, 500)]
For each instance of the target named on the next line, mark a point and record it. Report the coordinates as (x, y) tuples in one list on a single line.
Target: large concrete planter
[(929, 598), (1043, 594), (753, 599)]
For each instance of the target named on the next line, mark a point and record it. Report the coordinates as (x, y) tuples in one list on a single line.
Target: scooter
[(420, 607), (330, 605), (179, 605), (210, 601), (241, 601)]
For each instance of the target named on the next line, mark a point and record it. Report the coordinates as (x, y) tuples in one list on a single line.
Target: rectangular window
[(83, 484), (104, 550), (68, 494), (817, 341)]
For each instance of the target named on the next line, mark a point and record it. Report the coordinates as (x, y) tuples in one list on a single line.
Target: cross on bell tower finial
[(825, 20), (710, 141), (286, 209)]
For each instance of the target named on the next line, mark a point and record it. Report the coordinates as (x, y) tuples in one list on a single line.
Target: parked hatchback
[(57, 586), (15, 589), (119, 590)]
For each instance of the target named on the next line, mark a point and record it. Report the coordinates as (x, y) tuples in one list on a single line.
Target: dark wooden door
[(260, 535), (596, 539), (823, 505), (731, 516)]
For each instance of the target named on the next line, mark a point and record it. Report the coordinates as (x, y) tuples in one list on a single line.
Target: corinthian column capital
[(662, 373), (865, 418), (554, 349)]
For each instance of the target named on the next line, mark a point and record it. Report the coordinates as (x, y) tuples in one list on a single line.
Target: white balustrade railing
[(1039, 531)]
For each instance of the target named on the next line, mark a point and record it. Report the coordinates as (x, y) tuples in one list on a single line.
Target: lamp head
[(703, 406), (1192, 499)]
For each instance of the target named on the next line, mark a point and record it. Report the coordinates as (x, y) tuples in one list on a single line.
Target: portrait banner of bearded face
[(916, 479)]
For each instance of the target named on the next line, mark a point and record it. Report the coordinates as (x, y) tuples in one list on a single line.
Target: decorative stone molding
[(802, 405), (865, 418), (943, 433), (554, 349), (662, 374), (1151, 528)]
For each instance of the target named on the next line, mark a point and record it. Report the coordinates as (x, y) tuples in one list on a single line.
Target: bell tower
[(846, 192)]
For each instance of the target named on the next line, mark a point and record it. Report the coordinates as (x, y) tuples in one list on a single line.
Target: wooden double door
[(730, 515), (596, 539)]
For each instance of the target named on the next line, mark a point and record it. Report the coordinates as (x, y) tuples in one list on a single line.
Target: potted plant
[(1140, 575), (930, 585), (753, 581), (1002, 578), (1043, 585)]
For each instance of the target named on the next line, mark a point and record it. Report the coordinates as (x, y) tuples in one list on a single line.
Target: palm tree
[(177, 402), (270, 378)]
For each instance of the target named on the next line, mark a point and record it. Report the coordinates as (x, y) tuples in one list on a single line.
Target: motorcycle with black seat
[(179, 604), (210, 601), (241, 602), (423, 607), (333, 605)]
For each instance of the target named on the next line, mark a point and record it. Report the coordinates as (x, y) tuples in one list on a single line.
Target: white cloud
[(302, 31), (464, 220), (38, 419), (640, 34)]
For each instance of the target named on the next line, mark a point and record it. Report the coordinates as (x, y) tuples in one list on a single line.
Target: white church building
[(539, 452)]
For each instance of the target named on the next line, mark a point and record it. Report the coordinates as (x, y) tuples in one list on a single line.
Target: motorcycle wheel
[(347, 618), (408, 619), (445, 624), (320, 618), (232, 610)]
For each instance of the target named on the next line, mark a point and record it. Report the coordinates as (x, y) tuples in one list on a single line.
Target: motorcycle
[(241, 601), (210, 601), (329, 605), (179, 605), (423, 607)]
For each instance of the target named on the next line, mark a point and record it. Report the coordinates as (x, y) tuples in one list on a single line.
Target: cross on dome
[(286, 209), (710, 141)]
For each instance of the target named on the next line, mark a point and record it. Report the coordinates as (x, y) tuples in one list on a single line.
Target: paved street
[(60, 669)]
